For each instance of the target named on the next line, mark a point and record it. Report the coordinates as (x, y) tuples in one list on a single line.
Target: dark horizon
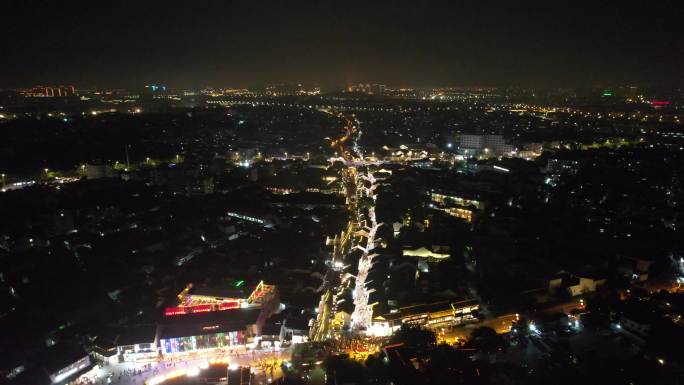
[(238, 44)]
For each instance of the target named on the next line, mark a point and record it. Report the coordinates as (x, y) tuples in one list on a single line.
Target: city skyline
[(167, 236)]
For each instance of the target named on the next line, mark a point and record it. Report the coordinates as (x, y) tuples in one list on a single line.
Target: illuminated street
[(265, 364), (335, 281)]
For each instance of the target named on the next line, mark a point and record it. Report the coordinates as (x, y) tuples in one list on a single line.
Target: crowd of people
[(119, 375)]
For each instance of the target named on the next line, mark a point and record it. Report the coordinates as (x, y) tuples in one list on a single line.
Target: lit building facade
[(450, 199), (434, 316), (209, 318), (49, 91), (70, 370), (208, 341), (455, 205), (486, 145)]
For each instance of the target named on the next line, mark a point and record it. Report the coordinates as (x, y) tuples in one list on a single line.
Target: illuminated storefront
[(70, 370), (209, 318), (455, 206), (432, 316), (209, 330), (454, 200), (462, 213), (207, 341)]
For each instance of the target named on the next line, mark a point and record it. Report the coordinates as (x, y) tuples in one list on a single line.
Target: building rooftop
[(195, 324), (127, 336), (224, 292), (59, 356), (428, 308)]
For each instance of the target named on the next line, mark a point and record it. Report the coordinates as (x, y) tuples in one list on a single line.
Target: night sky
[(420, 43)]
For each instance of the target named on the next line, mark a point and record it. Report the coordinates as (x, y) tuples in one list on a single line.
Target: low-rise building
[(423, 253), (443, 314), (208, 330), (295, 329), (636, 324), (575, 284), (64, 362), (456, 205), (127, 344)]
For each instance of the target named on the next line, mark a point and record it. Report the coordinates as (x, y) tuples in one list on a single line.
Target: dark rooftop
[(127, 336), (58, 357), (207, 323), (225, 292)]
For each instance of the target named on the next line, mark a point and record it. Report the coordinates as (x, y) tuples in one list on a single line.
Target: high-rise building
[(49, 91), (472, 142), (377, 89), (494, 145), (494, 142), (371, 89)]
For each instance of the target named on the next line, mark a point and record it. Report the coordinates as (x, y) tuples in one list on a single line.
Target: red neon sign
[(229, 305), (660, 104), (174, 311), (200, 308)]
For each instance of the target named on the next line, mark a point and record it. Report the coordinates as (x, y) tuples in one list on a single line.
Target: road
[(566, 307)]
